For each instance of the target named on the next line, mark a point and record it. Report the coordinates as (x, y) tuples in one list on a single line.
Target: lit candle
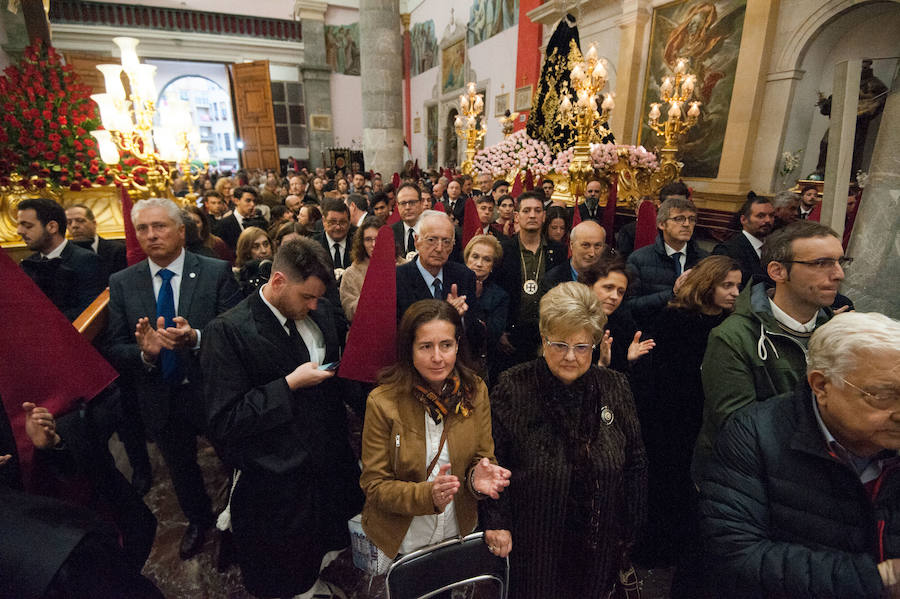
[(458, 122), (471, 87), (144, 83), (128, 49), (583, 99), (108, 152), (107, 109), (463, 101), (577, 73), (112, 78), (479, 103), (608, 102), (680, 66), (471, 122), (592, 53), (666, 88), (565, 107), (593, 103), (675, 110), (599, 70), (122, 118), (694, 111), (687, 88), (654, 111)]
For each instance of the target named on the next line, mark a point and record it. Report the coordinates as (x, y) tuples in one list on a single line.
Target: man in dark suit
[(431, 275), (70, 276), (157, 310), (244, 215), (82, 228), (410, 207), (455, 204), (337, 232), (280, 420), (527, 257), (587, 243), (757, 221), (590, 208)]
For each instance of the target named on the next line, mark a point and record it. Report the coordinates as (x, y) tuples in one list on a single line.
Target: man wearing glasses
[(410, 208), (337, 233), (431, 275), (801, 496), (661, 267), (760, 350)]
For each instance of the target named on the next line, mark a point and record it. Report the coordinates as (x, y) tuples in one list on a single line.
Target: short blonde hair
[(571, 307), (488, 240)]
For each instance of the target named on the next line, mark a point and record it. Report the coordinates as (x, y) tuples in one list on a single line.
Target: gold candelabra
[(676, 91), (588, 78), (471, 105), (128, 127), (507, 122)]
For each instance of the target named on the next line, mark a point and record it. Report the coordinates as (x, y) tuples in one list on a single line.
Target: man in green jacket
[(760, 350)]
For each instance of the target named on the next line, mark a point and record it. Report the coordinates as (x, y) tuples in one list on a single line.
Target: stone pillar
[(629, 112), (844, 102), (407, 75), (316, 75), (382, 83), (873, 280)]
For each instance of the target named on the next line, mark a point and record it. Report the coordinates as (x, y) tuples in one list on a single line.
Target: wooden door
[(255, 120), (85, 66)]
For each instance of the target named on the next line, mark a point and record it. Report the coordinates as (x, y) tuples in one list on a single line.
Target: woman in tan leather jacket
[(428, 453)]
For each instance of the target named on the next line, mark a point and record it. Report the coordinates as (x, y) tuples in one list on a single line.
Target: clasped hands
[(153, 340), (40, 426)]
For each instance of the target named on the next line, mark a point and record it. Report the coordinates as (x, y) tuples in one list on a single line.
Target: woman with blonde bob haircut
[(568, 431), (706, 297)]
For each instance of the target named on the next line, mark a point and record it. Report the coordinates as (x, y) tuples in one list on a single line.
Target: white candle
[(666, 88), (600, 70), (592, 53), (471, 87), (675, 110), (463, 101), (680, 66), (128, 49), (458, 122), (608, 102), (479, 103), (687, 88), (577, 73), (694, 111), (112, 78), (565, 107), (593, 103), (654, 111), (144, 83)]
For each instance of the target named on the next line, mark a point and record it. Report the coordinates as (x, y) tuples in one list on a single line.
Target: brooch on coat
[(606, 415)]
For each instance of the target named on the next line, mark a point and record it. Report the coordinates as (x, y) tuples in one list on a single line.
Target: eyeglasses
[(561, 348), (888, 401), (408, 203), (681, 219), (336, 223), (434, 241), (823, 263)]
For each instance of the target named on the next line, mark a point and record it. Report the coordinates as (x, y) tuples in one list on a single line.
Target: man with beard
[(757, 221)]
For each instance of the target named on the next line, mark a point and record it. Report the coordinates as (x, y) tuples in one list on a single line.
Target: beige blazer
[(393, 455)]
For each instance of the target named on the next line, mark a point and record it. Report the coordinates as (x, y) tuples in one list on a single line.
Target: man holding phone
[(278, 418)]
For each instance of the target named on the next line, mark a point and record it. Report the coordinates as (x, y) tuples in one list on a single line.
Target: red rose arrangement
[(45, 128)]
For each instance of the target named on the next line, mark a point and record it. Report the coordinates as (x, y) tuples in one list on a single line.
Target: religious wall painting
[(523, 98), (453, 66), (501, 104), (423, 47), (431, 133), (487, 18), (417, 125), (342, 48), (708, 34)]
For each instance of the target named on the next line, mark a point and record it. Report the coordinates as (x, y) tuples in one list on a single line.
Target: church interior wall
[(268, 9), (346, 90)]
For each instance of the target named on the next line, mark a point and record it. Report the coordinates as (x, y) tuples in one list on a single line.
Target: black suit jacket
[(739, 248), (400, 237), (459, 209), (112, 254), (71, 282), (509, 272), (207, 289), (229, 230), (585, 213), (299, 477), (411, 286), (320, 237), (556, 275)]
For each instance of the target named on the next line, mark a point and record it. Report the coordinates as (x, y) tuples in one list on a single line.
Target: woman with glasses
[(427, 450), (569, 433)]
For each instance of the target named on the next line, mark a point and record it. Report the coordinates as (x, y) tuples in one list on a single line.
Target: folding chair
[(444, 566)]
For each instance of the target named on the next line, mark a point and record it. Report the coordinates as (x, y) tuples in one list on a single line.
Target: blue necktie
[(438, 289), (677, 257), (165, 307)]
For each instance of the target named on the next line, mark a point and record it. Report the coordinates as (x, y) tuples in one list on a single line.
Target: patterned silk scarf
[(454, 398)]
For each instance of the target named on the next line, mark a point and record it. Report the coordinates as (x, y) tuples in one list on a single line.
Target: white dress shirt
[(341, 244), (788, 321), (756, 243), (55, 253), (682, 258)]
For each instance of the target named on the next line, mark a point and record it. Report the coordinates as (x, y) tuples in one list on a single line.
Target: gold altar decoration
[(103, 200), (471, 105), (588, 78), (507, 122), (676, 91), (128, 128)]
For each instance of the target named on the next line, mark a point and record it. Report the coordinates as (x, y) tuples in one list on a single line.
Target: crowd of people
[(587, 404)]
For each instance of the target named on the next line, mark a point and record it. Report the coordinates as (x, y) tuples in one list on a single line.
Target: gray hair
[(583, 226), (432, 215), (783, 199), (571, 307), (665, 209), (837, 346), (172, 209)]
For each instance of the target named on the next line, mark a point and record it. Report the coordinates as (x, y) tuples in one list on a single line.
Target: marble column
[(316, 75), (381, 55), (629, 112), (845, 99), (874, 278)]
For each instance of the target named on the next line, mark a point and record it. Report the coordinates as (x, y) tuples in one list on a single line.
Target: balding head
[(588, 241)]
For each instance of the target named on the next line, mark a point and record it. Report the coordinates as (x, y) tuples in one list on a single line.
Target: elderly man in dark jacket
[(802, 496), (661, 267)]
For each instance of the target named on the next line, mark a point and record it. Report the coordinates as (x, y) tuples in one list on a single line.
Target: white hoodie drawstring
[(761, 344)]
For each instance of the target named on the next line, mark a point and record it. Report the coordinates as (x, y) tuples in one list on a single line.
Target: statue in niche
[(872, 96)]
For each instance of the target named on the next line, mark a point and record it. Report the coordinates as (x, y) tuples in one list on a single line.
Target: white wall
[(346, 91)]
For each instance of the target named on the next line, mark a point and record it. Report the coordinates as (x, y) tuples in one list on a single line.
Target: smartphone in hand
[(330, 365)]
